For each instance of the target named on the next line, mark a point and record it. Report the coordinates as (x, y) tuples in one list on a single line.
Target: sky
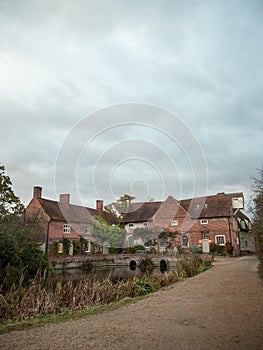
[(150, 98)]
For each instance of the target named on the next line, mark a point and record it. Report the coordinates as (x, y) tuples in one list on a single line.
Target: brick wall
[(56, 230), (215, 226), (35, 210)]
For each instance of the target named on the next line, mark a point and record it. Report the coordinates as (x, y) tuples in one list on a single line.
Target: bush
[(216, 249), (195, 248), (146, 265), (143, 286), (76, 247), (191, 266), (19, 254)]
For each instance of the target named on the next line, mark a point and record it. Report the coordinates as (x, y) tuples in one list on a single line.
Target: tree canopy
[(120, 206), (257, 210), (146, 233), (9, 202), (20, 256), (113, 235)]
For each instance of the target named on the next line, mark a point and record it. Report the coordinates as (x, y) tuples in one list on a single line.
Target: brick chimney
[(37, 193), (64, 198), (99, 205)]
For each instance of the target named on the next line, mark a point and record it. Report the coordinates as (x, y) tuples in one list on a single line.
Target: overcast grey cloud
[(62, 61)]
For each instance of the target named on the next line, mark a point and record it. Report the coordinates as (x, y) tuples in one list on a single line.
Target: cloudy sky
[(101, 98)]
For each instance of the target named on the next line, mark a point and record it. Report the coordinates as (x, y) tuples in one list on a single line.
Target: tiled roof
[(203, 207), (73, 213), (110, 218), (141, 211), (70, 212), (218, 205)]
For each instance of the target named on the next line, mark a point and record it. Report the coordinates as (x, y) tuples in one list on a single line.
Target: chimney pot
[(99, 205), (64, 198), (37, 192)]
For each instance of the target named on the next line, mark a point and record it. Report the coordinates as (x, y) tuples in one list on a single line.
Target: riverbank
[(219, 309), (38, 299)]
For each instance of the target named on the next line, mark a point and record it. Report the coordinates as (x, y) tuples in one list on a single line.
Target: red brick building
[(60, 219), (198, 221)]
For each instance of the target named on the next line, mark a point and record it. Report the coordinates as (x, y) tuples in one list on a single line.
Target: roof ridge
[(212, 195), (70, 204)]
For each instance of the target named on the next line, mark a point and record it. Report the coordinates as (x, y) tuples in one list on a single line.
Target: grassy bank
[(34, 305)]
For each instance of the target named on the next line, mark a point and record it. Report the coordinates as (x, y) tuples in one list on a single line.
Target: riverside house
[(196, 222), (61, 220)]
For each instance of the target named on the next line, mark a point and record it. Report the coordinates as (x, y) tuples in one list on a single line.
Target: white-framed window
[(130, 225), (174, 223), (204, 221), (220, 239), (66, 229), (145, 224), (87, 229), (205, 234)]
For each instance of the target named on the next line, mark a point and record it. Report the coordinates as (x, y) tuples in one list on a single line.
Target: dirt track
[(219, 309)]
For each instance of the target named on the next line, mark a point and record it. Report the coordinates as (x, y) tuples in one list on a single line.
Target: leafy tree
[(113, 235), (120, 206), (20, 255), (9, 202), (257, 210), (146, 233)]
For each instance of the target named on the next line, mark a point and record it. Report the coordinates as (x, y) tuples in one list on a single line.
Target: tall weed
[(22, 302)]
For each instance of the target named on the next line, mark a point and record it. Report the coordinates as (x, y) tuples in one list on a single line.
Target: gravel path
[(219, 309)]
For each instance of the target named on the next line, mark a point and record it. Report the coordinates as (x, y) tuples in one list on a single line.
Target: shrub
[(146, 265), (195, 248), (143, 286), (216, 249)]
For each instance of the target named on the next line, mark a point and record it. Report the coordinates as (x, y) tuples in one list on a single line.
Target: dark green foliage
[(195, 248), (257, 211), (19, 252), (146, 265), (143, 286), (113, 235), (113, 250), (77, 247), (229, 248), (9, 203), (216, 249), (19, 248), (192, 265), (134, 249)]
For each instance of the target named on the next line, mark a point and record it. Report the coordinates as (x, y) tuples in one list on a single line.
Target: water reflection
[(102, 272)]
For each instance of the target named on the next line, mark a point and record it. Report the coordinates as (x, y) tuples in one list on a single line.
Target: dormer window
[(174, 223), (66, 229)]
